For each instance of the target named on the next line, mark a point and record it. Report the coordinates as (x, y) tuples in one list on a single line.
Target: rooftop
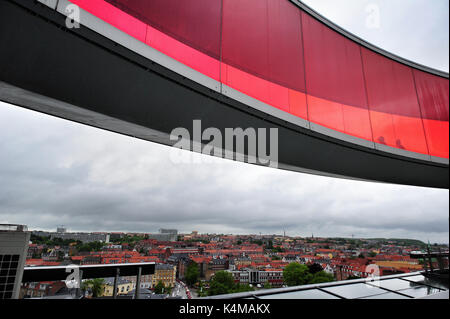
[(404, 286), (13, 228)]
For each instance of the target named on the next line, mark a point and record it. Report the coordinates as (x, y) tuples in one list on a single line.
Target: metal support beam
[(138, 283), (430, 260), (439, 260), (79, 291), (116, 280)]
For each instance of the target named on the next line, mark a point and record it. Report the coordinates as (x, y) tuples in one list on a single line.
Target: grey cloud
[(57, 172)]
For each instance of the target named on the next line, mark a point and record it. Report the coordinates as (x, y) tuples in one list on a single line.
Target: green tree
[(314, 268), (242, 288), (202, 291), (321, 276), (168, 290), (267, 285), (88, 247), (221, 283), (296, 274), (95, 285), (192, 274), (278, 249), (160, 288)]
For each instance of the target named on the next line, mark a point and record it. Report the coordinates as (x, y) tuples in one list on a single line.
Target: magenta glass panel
[(333, 65), (393, 103), (194, 22), (334, 80), (433, 93), (285, 45), (244, 36), (262, 37)]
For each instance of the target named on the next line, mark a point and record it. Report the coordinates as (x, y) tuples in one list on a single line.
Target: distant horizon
[(232, 234), (58, 172)]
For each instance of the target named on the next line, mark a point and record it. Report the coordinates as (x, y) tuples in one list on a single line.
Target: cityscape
[(194, 265)]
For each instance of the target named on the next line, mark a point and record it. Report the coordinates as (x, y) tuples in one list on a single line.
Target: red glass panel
[(285, 45), (297, 104), (194, 22), (333, 65), (263, 57), (334, 80), (183, 53), (326, 113), (433, 93), (262, 37), (244, 36), (256, 87), (437, 137), (357, 122), (115, 17), (393, 103)]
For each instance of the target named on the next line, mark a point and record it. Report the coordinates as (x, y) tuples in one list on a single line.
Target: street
[(180, 290)]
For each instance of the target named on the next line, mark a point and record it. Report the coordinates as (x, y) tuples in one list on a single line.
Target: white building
[(14, 241)]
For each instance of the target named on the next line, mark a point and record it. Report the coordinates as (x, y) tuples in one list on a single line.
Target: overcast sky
[(55, 172)]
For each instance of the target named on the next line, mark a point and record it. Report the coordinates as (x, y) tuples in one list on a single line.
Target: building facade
[(248, 276), (166, 274), (124, 286), (14, 240)]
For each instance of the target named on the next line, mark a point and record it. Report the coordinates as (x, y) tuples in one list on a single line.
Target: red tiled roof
[(200, 259), (77, 257), (41, 262)]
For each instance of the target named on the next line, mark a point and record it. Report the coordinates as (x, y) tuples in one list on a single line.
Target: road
[(180, 290)]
